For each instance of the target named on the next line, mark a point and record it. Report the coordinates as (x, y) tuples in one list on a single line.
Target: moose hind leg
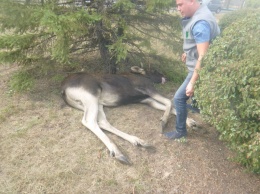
[(90, 121), (104, 124)]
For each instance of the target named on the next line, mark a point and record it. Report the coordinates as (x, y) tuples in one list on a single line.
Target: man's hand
[(183, 57), (190, 89)]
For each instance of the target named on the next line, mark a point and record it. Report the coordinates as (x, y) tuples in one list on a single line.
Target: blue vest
[(189, 44)]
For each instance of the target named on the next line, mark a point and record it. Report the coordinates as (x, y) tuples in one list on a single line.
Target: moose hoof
[(122, 159), (141, 143), (191, 123), (163, 125)]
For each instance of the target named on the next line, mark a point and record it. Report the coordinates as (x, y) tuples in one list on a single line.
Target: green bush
[(228, 92), (232, 17), (252, 4)]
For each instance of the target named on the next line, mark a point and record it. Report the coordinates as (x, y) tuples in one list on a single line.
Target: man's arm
[(202, 49), (201, 33)]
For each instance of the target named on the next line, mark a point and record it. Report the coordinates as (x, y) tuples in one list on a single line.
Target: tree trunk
[(242, 4), (109, 61)]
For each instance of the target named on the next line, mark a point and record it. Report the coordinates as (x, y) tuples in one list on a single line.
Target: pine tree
[(57, 31)]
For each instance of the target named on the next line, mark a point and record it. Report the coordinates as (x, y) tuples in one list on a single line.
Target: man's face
[(185, 7)]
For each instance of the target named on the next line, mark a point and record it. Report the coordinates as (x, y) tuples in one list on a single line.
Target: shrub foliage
[(36, 32), (228, 92)]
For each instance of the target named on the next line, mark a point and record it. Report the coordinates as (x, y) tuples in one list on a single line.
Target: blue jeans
[(180, 104)]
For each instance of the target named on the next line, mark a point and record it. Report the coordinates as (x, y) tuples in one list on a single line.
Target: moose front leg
[(157, 105)]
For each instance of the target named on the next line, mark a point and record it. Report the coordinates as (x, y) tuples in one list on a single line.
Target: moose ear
[(136, 69)]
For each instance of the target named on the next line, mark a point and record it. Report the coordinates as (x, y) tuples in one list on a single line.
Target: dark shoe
[(174, 135), (193, 109)]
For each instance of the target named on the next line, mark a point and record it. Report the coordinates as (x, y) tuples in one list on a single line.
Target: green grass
[(7, 112)]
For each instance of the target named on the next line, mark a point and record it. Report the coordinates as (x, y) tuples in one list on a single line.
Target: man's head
[(187, 7)]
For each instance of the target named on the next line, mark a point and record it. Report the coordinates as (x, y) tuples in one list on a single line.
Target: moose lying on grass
[(90, 93)]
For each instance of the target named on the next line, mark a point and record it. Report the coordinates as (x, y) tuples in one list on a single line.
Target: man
[(199, 29)]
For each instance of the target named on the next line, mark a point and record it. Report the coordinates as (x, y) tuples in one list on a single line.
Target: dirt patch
[(44, 148)]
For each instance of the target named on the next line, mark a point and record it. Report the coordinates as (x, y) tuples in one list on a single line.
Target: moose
[(90, 93)]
